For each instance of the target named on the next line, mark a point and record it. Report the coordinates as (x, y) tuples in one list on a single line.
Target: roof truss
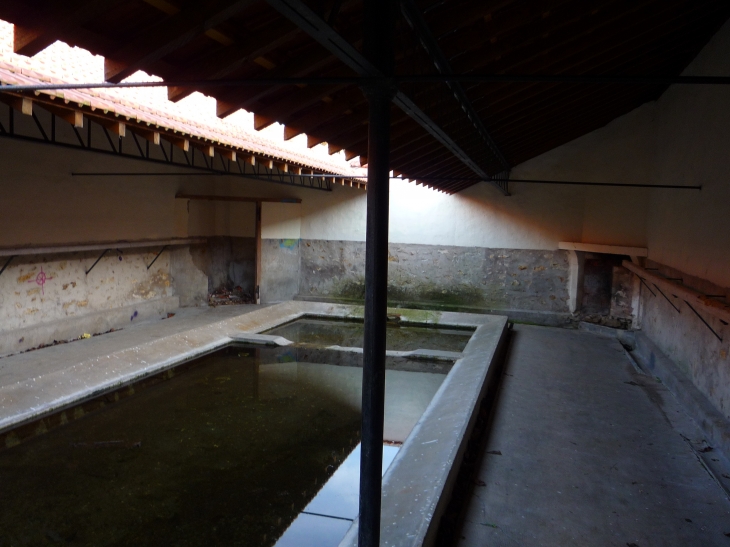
[(307, 20)]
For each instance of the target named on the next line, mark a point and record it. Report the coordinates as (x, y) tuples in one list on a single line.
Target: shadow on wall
[(607, 291), (229, 262)]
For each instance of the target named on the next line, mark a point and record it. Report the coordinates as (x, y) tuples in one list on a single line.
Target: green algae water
[(333, 332), (227, 450)]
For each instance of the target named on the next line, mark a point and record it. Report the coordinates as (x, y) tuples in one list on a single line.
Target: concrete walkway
[(23, 365), (583, 452)]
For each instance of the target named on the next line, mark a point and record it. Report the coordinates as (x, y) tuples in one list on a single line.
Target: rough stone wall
[(228, 262), (685, 339), (280, 269), (38, 291), (500, 279), (622, 293), (190, 283)]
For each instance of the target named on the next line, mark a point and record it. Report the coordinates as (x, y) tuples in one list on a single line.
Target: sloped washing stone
[(261, 339), (418, 484)]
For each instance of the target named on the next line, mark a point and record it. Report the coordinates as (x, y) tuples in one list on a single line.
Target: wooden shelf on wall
[(605, 249), (702, 301), (78, 247)]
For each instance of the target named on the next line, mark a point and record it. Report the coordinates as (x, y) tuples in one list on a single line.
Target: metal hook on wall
[(665, 296), (703, 320), (647, 286), (158, 256), (97, 261), (7, 264)]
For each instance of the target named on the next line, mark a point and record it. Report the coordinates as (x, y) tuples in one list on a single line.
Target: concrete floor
[(585, 451)]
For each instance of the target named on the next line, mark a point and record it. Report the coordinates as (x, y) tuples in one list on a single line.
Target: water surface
[(334, 332), (226, 451)]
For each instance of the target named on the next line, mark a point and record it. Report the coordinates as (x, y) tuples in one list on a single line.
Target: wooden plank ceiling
[(495, 125)]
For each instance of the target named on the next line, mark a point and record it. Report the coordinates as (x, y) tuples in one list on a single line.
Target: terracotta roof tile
[(193, 116)]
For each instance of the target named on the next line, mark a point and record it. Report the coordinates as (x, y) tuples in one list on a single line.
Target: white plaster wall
[(41, 203), (281, 220), (619, 152), (691, 231), (533, 218), (681, 139), (338, 215)]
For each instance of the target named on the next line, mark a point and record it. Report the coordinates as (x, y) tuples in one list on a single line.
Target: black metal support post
[(647, 286), (158, 256), (7, 264), (378, 48), (666, 298), (97, 261), (703, 320)]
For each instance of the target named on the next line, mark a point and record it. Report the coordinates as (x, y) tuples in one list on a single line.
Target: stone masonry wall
[(686, 340), (51, 297), (498, 279)]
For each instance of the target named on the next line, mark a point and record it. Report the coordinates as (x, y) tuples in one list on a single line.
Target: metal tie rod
[(394, 80)]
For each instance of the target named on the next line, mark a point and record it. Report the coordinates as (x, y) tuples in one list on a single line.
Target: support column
[(257, 282), (378, 48), (576, 260)]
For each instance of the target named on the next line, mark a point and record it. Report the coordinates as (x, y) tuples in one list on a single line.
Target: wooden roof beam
[(167, 36), (415, 18), (232, 58), (262, 122), (296, 67), (313, 141), (73, 116), (291, 132), (24, 105), (29, 41), (180, 142), (350, 103), (148, 134), (50, 24), (296, 102), (576, 62), (115, 126), (306, 19)]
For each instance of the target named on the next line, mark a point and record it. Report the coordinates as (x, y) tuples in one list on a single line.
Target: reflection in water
[(227, 452), (326, 519), (331, 332)]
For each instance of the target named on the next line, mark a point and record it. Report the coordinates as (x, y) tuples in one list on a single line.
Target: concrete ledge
[(35, 384), (416, 354), (38, 383), (715, 426), (261, 339), (418, 484), (531, 317), (605, 249), (627, 338)]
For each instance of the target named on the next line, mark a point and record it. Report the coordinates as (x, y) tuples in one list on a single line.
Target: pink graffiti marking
[(41, 279)]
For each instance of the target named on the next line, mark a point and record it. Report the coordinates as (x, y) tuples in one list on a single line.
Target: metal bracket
[(158, 256), (647, 286), (97, 261), (703, 320), (665, 296), (6, 264)]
